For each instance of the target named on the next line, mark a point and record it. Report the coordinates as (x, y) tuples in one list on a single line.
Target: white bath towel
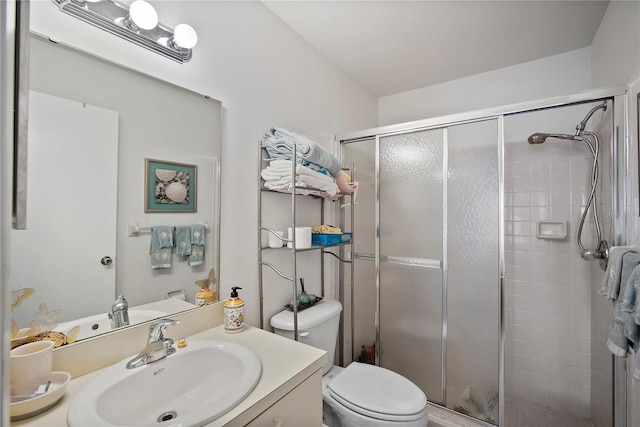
[(277, 176)]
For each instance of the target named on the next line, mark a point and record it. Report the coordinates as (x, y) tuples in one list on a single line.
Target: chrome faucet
[(158, 346), (119, 314)]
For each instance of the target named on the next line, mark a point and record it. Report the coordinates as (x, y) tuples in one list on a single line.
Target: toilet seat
[(378, 393)]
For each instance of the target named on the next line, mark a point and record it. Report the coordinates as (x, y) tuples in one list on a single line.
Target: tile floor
[(520, 413)]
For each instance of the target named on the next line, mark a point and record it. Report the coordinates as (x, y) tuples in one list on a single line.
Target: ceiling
[(392, 46)]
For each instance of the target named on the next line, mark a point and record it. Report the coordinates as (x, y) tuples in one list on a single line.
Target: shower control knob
[(106, 260)]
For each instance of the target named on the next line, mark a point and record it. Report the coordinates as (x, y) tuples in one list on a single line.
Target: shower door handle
[(416, 262)]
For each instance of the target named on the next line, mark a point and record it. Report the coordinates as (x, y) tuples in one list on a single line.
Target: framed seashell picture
[(170, 186)]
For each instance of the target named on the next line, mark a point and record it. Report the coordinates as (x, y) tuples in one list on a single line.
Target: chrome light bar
[(113, 16)]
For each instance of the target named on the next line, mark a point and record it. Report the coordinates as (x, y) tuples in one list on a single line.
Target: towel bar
[(134, 228)]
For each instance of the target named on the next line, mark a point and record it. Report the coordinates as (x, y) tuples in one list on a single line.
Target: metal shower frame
[(620, 197)]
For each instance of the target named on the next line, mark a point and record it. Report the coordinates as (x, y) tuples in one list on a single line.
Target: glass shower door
[(473, 276), (439, 216), (411, 251)]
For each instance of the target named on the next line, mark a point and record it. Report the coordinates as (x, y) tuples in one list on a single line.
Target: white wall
[(615, 50), (557, 75), (264, 74)]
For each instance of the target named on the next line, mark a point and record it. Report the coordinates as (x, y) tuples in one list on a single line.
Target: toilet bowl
[(359, 394)]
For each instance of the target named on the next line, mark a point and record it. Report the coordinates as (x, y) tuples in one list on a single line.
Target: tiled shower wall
[(548, 289)]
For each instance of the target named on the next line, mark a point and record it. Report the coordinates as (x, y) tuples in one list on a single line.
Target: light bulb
[(143, 15), (185, 36)]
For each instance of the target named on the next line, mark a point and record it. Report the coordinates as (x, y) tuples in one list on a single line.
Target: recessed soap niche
[(555, 230)]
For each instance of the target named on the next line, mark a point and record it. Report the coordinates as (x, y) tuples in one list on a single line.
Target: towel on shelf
[(183, 240), (284, 166), (613, 275), (280, 143), (198, 234), (622, 332), (277, 176), (161, 244)]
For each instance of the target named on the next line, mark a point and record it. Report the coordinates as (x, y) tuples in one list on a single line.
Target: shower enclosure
[(452, 282)]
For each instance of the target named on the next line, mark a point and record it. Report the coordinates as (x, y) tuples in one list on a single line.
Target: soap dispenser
[(206, 295), (234, 313)]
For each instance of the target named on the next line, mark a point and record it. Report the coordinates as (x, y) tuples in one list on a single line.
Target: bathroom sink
[(91, 326), (193, 386)]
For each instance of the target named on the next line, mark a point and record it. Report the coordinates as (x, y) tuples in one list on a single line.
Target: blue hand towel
[(161, 244), (613, 275), (626, 313), (183, 240), (280, 143), (196, 257), (621, 333)]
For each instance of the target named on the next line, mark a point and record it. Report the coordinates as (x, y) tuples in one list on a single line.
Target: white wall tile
[(540, 213), (548, 296), (521, 213), (539, 198)]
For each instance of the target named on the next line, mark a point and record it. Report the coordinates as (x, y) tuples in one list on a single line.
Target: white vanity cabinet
[(289, 392), (302, 406)]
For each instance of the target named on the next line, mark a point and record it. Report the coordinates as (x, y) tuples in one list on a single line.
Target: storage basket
[(321, 239)]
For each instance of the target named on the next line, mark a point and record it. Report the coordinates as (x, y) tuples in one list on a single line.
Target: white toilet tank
[(317, 326)]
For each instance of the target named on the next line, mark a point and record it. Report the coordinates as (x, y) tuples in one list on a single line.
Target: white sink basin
[(191, 387), (91, 326)]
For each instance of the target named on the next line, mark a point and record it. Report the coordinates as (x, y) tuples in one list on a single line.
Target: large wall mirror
[(92, 125)]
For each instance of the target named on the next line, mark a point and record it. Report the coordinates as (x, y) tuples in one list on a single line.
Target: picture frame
[(170, 187)]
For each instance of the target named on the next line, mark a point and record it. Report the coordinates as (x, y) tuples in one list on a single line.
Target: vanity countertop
[(285, 365)]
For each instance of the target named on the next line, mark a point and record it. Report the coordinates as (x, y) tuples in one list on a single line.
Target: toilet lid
[(378, 392)]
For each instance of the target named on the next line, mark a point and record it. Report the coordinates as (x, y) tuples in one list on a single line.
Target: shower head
[(539, 138)]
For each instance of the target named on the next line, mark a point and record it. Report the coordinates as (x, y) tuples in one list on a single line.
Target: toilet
[(360, 394)]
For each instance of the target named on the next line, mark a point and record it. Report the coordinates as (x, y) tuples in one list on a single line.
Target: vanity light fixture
[(137, 23)]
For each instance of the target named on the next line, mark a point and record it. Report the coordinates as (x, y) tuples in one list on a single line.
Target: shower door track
[(483, 114)]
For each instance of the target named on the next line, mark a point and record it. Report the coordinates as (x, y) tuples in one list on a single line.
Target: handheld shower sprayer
[(539, 138), (601, 252)]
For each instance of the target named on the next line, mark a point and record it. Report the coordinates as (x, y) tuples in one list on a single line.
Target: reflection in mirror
[(92, 124)]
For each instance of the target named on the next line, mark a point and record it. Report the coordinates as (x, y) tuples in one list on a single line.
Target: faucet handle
[(158, 328)]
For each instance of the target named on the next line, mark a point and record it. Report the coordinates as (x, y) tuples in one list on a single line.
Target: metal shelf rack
[(323, 250)]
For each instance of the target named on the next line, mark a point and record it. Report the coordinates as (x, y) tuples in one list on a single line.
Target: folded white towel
[(283, 168), (277, 176)]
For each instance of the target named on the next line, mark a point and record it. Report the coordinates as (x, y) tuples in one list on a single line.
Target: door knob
[(106, 260)]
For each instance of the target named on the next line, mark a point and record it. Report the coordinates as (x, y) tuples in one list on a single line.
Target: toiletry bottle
[(204, 295), (234, 313)]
